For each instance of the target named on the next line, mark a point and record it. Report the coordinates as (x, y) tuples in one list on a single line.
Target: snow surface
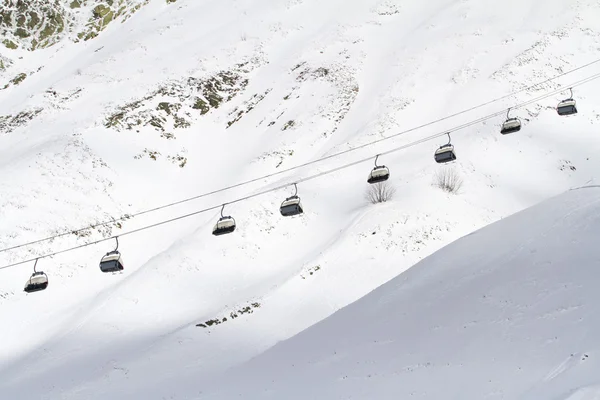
[(507, 312), (391, 65)]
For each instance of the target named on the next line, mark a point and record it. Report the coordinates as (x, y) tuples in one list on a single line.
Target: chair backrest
[(447, 148)]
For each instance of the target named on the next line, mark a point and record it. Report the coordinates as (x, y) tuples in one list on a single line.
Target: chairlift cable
[(206, 194), (311, 177)]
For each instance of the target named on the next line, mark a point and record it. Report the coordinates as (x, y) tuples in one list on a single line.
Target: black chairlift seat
[(567, 107), (38, 281), (445, 154), (511, 125), (379, 174), (112, 262), (291, 206), (223, 226)]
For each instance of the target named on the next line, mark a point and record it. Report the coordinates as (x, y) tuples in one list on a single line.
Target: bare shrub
[(448, 180), (380, 192)]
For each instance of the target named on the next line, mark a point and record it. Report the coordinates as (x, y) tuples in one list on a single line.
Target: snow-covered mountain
[(508, 312), (182, 98)]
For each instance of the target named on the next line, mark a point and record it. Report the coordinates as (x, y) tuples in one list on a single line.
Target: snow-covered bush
[(380, 192), (448, 179)]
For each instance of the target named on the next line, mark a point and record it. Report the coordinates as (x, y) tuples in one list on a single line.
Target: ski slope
[(507, 312), (114, 125)]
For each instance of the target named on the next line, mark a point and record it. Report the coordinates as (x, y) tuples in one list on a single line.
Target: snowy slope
[(507, 312), (79, 141)]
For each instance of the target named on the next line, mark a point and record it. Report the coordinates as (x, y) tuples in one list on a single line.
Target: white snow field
[(190, 97), (508, 312)]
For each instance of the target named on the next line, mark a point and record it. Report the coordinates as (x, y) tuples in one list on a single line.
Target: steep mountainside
[(508, 312), (187, 99), (29, 25)]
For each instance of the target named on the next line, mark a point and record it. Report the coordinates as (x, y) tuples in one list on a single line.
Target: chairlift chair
[(292, 205), (568, 106), (225, 224), (445, 153), (112, 261), (511, 125), (378, 174), (38, 281)]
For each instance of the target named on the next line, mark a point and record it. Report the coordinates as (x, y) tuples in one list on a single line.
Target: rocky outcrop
[(35, 24)]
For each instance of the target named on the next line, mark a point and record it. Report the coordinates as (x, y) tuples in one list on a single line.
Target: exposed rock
[(4, 63), (174, 105), (249, 309), (16, 80), (288, 125), (34, 24), (152, 154), (9, 123), (249, 106), (178, 160), (105, 12)]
